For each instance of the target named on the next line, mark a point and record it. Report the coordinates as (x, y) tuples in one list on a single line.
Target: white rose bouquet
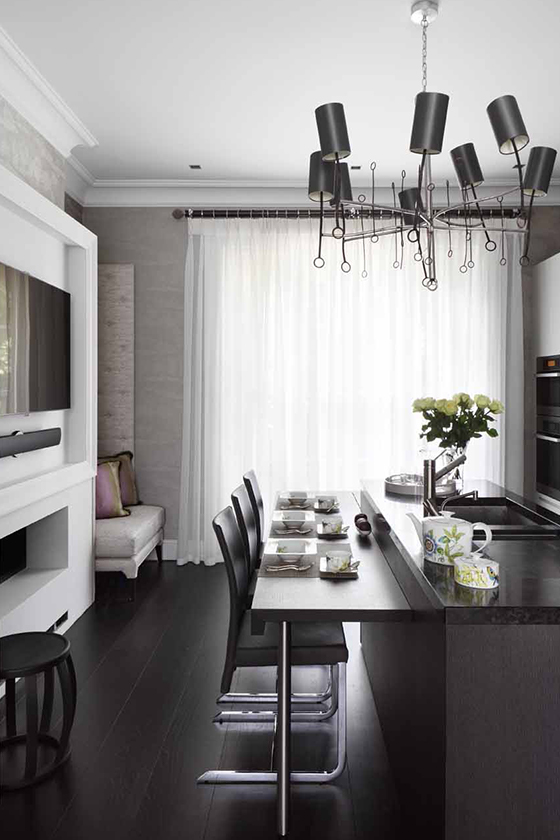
[(456, 421)]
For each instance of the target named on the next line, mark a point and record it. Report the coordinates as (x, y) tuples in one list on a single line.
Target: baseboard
[(169, 551)]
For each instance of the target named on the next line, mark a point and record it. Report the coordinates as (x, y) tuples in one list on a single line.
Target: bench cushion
[(127, 536)]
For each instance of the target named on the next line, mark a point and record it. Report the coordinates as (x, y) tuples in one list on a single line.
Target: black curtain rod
[(312, 213)]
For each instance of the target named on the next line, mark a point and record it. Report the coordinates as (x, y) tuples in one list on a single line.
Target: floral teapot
[(445, 538)]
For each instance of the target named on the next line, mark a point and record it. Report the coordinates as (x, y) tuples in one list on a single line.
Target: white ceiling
[(233, 85)]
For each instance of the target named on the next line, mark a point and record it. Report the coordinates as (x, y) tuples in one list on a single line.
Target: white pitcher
[(446, 538)]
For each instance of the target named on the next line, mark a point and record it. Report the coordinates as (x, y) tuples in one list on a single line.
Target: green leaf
[(493, 433)]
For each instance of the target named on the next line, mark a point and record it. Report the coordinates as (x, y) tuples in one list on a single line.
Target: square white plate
[(296, 520), (320, 507), (286, 515), (295, 500), (289, 550)]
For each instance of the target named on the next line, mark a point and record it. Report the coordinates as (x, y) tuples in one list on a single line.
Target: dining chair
[(247, 524), (313, 643), (249, 528), (255, 495)]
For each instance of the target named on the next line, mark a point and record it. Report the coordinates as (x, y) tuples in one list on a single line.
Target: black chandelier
[(415, 215)]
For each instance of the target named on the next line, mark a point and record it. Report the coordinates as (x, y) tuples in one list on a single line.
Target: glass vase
[(458, 474)]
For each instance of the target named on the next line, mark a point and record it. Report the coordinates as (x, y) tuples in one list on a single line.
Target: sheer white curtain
[(308, 375)]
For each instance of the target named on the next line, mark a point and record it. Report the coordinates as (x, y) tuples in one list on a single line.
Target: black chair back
[(233, 552), (247, 522), (254, 491)]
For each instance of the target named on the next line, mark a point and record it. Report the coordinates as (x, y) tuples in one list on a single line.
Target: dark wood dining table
[(374, 596)]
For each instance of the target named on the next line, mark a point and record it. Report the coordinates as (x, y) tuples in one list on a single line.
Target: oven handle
[(548, 438), (552, 373)]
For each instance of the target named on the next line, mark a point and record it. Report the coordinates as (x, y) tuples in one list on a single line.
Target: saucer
[(330, 536), (348, 574), (334, 509)]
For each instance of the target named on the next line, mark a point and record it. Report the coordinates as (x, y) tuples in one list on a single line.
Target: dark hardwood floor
[(148, 676)]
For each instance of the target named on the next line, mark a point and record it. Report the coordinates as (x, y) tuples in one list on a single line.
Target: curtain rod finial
[(178, 214)]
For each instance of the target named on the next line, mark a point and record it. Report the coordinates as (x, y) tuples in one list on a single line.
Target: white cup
[(338, 561), (326, 502), (332, 525)]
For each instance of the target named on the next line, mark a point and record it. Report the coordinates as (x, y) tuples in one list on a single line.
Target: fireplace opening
[(13, 550)]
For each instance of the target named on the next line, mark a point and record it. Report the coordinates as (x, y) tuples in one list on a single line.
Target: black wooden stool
[(27, 655)]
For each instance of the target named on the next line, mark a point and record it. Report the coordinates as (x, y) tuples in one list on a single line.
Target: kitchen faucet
[(472, 494), (431, 477)]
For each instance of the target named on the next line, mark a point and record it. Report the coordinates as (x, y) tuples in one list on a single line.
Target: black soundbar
[(19, 442)]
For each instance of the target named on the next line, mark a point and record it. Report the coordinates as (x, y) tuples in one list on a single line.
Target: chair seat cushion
[(313, 643), (126, 537)]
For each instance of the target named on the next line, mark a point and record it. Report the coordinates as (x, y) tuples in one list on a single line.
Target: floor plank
[(149, 675)]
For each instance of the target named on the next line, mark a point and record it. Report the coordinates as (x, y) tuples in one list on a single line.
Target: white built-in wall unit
[(51, 492)]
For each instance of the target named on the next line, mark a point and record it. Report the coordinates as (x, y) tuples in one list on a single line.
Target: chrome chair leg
[(216, 777), (270, 715), (272, 697)]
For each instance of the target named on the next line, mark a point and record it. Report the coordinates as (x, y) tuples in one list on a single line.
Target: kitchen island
[(468, 692)]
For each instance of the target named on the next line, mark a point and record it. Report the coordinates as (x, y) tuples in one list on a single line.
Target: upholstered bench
[(123, 543)]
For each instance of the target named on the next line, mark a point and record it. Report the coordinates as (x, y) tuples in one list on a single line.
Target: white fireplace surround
[(51, 491), (46, 560)]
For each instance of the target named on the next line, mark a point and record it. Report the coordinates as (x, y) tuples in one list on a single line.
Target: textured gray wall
[(74, 208), (26, 153), (150, 239), (545, 242), (115, 372)]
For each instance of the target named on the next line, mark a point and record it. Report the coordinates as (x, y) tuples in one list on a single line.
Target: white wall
[(546, 303)]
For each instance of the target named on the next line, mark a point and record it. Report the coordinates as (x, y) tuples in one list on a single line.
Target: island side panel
[(406, 668), (503, 732)]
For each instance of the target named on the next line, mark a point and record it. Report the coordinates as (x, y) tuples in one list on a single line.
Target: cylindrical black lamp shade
[(539, 170), (466, 165), (409, 197), (508, 125), (430, 114), (345, 193), (345, 185), (333, 134), (321, 178)]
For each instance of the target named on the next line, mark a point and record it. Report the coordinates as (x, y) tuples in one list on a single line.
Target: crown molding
[(236, 184), (241, 193), (195, 183), (28, 92), (222, 194)]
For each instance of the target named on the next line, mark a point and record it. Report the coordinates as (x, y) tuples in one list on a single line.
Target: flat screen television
[(34, 344)]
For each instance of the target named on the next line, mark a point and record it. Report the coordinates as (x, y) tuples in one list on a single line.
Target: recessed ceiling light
[(195, 166), (355, 167)]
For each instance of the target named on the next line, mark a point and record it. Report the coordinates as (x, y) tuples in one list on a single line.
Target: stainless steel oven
[(548, 386), (548, 431)]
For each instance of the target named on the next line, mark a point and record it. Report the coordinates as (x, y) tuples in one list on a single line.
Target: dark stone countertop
[(529, 591)]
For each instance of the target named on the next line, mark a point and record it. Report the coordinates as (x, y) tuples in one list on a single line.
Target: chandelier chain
[(425, 24)]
